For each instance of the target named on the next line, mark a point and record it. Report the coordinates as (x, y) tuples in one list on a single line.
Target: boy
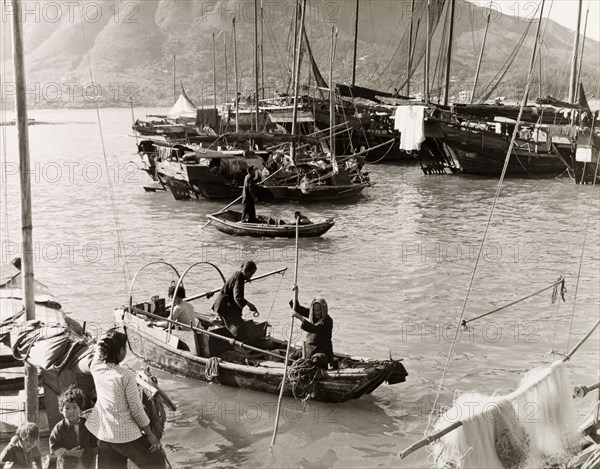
[(22, 451), (70, 440)]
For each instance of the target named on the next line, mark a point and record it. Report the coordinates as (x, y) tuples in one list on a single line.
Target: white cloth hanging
[(409, 120)]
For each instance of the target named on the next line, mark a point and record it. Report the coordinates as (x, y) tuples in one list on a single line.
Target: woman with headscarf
[(319, 327)]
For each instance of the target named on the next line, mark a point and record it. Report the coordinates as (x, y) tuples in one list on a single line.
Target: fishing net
[(532, 427), (491, 435), (545, 400)]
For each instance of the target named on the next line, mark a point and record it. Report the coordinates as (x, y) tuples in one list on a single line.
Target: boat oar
[(217, 290), (237, 200), (208, 333), (287, 351), (436, 436)]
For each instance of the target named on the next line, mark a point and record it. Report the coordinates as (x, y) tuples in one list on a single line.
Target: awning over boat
[(183, 107), (47, 309), (582, 105), (365, 93), (490, 112), (282, 117)]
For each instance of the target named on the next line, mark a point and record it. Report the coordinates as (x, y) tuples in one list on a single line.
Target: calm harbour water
[(394, 270)]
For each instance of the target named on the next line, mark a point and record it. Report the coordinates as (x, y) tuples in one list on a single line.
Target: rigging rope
[(280, 69), (276, 293), (563, 290), (587, 223), (481, 244), (495, 81), (121, 244)]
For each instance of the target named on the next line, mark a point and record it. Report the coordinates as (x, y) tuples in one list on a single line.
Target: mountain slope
[(131, 47)]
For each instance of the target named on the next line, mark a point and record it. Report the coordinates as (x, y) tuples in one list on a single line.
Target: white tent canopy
[(183, 108)]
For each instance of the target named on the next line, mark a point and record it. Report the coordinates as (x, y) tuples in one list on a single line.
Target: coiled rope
[(212, 368), (302, 374)]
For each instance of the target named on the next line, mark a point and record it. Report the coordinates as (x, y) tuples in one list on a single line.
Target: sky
[(563, 12)]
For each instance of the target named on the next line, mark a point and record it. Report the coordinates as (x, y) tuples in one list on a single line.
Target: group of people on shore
[(117, 430)]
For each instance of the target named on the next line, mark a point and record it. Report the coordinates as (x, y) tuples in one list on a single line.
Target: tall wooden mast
[(27, 277), (256, 64), (573, 80), (410, 39), (449, 54), (355, 44), (235, 69)]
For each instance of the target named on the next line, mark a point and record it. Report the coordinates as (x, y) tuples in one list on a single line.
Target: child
[(70, 440), (22, 451)]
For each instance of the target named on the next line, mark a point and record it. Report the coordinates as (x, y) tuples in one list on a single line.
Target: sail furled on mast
[(321, 83)]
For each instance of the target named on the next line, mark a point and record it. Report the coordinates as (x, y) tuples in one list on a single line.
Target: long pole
[(581, 342), (487, 24), (296, 13), (540, 73), (174, 79), (427, 53), (526, 94), (253, 279), (581, 55), (214, 47), (287, 351), (572, 81), (226, 69), (297, 79), (449, 54), (410, 39), (262, 52), (355, 45), (331, 95), (237, 93), (256, 64), (27, 277)]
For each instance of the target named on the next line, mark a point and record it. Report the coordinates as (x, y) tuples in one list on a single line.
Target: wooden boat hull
[(483, 153), (151, 345), (317, 194), (228, 222)]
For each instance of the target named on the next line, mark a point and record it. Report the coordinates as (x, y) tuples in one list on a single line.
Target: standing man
[(249, 197), (231, 300)]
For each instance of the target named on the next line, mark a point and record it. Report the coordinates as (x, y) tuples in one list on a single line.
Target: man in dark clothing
[(319, 328), (249, 197), (230, 301)]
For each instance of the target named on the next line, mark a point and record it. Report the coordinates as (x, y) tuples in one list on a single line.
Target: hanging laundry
[(532, 427), (409, 120)]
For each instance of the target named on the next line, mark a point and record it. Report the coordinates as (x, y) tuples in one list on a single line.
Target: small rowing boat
[(229, 222), (206, 351), (193, 353)]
